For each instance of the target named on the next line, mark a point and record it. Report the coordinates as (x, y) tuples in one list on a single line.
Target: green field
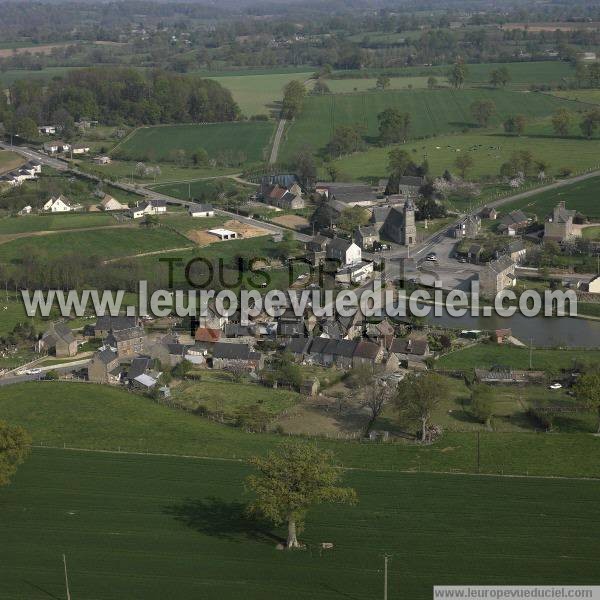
[(158, 143), (104, 244), (99, 417), (126, 170), (488, 151), (591, 96), (343, 86), (9, 77), (592, 233), (53, 222), (9, 160), (433, 112), (523, 74), (581, 196), (488, 355), (259, 93), (142, 527)]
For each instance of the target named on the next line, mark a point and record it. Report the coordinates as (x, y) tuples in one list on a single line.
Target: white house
[(56, 146), (60, 204), (344, 251), (153, 207), (80, 149), (594, 285), (357, 272), (47, 129), (102, 160), (26, 210), (109, 203), (201, 210)]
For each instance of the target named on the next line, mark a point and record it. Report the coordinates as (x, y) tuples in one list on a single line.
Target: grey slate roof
[(106, 355), (232, 351), (139, 366), (127, 334), (108, 323)]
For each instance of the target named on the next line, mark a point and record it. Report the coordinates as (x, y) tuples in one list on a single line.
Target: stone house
[(128, 342), (60, 340), (496, 276), (559, 225), (104, 366)]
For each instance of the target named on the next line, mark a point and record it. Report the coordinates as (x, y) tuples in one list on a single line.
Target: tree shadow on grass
[(226, 520)]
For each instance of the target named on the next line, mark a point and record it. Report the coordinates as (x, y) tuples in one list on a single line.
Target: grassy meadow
[(366, 84), (433, 112), (105, 244), (259, 93), (158, 143), (104, 418), (488, 355), (487, 149), (54, 222), (581, 196), (9, 161), (145, 527)]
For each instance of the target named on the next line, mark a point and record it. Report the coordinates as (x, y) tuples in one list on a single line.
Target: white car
[(431, 257), (555, 386), (33, 371)]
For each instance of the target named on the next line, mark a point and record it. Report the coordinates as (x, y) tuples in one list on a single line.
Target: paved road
[(277, 141)]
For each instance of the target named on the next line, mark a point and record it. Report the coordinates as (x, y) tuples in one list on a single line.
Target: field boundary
[(66, 448)]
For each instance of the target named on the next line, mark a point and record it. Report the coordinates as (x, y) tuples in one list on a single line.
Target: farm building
[(223, 234), (201, 210), (108, 203)]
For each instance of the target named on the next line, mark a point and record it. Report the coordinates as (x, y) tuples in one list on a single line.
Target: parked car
[(555, 386)]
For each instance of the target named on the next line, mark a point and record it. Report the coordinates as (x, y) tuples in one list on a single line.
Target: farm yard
[(433, 112), (244, 140)]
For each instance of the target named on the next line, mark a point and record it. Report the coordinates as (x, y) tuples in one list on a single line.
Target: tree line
[(116, 96)]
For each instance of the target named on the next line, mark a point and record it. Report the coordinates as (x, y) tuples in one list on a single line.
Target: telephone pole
[(66, 578)]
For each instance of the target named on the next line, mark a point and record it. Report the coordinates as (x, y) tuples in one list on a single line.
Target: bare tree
[(374, 397)]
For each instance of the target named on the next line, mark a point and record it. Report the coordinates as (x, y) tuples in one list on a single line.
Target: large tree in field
[(293, 99), (393, 125), (399, 162), (561, 121), (14, 448), (458, 74), (483, 111), (587, 391), (291, 480), (418, 396), (463, 163)]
